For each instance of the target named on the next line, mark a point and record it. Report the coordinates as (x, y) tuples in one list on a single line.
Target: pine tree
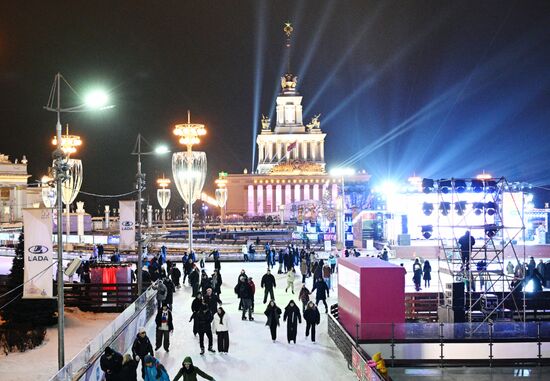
[(33, 312)]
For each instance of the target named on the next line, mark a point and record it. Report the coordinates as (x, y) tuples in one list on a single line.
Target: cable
[(108, 195), (22, 284), (11, 301)]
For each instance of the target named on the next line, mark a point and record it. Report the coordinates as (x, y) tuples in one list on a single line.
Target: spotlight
[(478, 208), (427, 231), (427, 185), (477, 186), (460, 186), (491, 230), (460, 207), (490, 186), (444, 208), (427, 208), (490, 208), (445, 186)]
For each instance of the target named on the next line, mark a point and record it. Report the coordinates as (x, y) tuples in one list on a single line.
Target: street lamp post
[(341, 173), (163, 197), (140, 185), (221, 194), (189, 184), (61, 166)]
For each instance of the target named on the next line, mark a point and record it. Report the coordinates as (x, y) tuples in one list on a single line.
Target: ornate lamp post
[(49, 192), (221, 193), (189, 168), (163, 197)]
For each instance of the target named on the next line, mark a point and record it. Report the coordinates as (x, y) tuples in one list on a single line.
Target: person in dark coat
[(194, 280), (322, 292), (293, 317), (206, 283), (164, 328), (427, 273), (128, 372), (170, 289), (111, 364), (217, 282), (417, 274), (211, 300), (189, 372), (304, 296), (142, 347), (268, 284), (203, 319), (175, 275), (187, 268), (244, 292), (273, 314), (466, 242), (312, 318)]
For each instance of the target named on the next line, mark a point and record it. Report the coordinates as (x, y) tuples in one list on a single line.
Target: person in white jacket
[(221, 325)]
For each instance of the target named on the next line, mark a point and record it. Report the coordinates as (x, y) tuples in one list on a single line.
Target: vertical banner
[(37, 224), (127, 221)]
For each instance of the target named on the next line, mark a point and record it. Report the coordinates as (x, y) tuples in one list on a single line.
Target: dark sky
[(440, 88)]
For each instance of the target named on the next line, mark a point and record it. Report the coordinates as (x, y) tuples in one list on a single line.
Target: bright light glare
[(96, 99), (341, 171), (530, 286), (161, 150), (388, 188)]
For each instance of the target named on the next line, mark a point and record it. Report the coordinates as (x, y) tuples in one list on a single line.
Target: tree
[(24, 312)]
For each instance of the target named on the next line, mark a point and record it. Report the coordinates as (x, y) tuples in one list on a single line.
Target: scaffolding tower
[(494, 232)]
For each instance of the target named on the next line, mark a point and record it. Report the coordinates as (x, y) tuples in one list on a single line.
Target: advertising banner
[(127, 224), (37, 224)]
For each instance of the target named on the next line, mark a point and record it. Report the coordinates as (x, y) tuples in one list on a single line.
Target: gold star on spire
[(288, 29)]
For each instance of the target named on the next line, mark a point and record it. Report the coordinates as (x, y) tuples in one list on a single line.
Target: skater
[(165, 327), (221, 326), (244, 292), (304, 296), (417, 274), (154, 370), (268, 284), (327, 275), (273, 314), (332, 262), (175, 275), (194, 278), (291, 275), (312, 318), (252, 292), (170, 289), (211, 300), (187, 268), (281, 259), (162, 292), (141, 348), (427, 273), (189, 372), (217, 282), (303, 270), (322, 292), (293, 317), (203, 319), (111, 364), (128, 372)]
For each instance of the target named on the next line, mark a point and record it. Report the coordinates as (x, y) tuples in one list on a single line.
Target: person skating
[(327, 274), (252, 292), (189, 372), (162, 292), (194, 280), (154, 370), (128, 372), (211, 300), (268, 284), (111, 364), (203, 319), (273, 313), (175, 275), (293, 317), (141, 348), (290, 277), (165, 327), (427, 273), (217, 282), (322, 292), (170, 289), (221, 326), (187, 267), (312, 318), (244, 292), (303, 296)]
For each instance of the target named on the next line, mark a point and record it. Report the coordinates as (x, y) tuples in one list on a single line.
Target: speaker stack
[(453, 310)]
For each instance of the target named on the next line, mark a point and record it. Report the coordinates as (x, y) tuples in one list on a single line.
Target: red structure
[(371, 293)]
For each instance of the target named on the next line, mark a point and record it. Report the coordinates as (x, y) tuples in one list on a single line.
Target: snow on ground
[(252, 354), (41, 363)]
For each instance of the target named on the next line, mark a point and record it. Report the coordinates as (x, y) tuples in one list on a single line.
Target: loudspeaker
[(404, 240), (455, 289), (446, 314)]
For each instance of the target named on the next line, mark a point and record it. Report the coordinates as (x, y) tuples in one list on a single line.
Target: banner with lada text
[(127, 223), (37, 226)]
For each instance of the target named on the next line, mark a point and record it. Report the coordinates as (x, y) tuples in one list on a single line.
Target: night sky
[(439, 88)]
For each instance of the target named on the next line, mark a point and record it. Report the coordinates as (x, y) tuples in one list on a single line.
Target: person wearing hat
[(164, 327), (154, 370), (111, 363), (142, 347), (189, 372)]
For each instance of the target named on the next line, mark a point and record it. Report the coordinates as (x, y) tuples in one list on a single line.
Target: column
[(316, 192), (334, 192), (260, 152), (279, 150), (260, 199), (307, 196), (270, 152), (303, 149), (288, 194), (278, 196), (299, 119), (313, 147), (269, 198), (297, 193), (322, 149), (107, 222), (250, 203)]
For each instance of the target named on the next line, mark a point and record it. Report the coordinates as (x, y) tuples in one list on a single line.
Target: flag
[(127, 221), (37, 224), (291, 146)]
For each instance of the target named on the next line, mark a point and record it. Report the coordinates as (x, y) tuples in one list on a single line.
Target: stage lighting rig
[(460, 207), (477, 186), (445, 186), (478, 208), (460, 186), (444, 208), (490, 208), (427, 185), (491, 230), (427, 231), (427, 208)]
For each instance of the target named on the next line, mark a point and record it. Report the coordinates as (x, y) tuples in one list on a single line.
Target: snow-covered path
[(252, 354)]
